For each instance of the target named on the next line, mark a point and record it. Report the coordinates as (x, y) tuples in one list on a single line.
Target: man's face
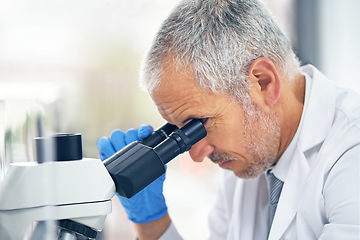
[(242, 139)]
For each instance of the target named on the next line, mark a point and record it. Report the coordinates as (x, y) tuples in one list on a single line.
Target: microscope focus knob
[(58, 147)]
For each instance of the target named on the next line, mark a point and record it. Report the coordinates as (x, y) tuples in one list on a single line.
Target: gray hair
[(218, 40)]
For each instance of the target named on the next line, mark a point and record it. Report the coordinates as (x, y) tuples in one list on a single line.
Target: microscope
[(68, 197)]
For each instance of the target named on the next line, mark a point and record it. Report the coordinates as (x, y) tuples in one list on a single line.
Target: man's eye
[(203, 120)]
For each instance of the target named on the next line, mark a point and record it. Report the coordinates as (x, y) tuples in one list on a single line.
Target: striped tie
[(274, 186)]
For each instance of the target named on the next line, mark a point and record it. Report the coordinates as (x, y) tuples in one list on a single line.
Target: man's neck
[(292, 104)]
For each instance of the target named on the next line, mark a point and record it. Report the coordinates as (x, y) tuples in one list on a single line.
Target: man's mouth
[(224, 164), (222, 159)]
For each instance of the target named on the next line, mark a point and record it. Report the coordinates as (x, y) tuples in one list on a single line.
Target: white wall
[(340, 41)]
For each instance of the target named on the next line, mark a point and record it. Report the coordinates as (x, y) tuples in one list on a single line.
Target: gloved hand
[(149, 204)]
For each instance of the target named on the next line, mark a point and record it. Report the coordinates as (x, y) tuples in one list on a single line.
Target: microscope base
[(14, 223)]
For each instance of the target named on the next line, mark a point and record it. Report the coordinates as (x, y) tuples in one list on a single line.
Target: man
[(289, 136)]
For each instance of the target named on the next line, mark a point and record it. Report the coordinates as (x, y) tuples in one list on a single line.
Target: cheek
[(228, 138)]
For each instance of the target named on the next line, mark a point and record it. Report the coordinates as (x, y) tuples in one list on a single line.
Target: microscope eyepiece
[(140, 163), (159, 135), (180, 140)]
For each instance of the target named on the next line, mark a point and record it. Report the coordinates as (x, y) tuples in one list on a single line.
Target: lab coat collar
[(312, 125), (318, 111), (315, 123)]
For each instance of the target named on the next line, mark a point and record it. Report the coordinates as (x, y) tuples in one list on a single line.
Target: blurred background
[(72, 66)]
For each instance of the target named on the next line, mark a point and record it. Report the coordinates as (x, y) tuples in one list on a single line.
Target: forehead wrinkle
[(174, 106), (178, 96)]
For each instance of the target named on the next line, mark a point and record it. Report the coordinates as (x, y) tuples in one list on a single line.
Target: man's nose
[(201, 150)]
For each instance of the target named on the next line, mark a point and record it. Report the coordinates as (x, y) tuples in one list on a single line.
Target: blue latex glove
[(149, 204)]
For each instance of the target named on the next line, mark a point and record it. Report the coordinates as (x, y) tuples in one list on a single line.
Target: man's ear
[(265, 77)]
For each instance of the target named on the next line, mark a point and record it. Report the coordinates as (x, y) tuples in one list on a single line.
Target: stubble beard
[(262, 141)]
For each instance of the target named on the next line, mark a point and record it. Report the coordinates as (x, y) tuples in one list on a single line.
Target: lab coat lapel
[(290, 195), (255, 206)]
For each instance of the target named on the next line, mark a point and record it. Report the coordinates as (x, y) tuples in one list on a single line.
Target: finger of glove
[(131, 135), (105, 148), (144, 131), (118, 139)]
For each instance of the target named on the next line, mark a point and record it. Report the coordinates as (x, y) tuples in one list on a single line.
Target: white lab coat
[(320, 198)]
